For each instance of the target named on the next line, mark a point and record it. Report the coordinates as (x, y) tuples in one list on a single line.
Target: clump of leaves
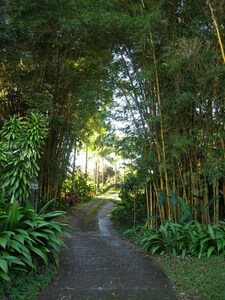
[(77, 188), (174, 239), (130, 210), (21, 140), (27, 237)]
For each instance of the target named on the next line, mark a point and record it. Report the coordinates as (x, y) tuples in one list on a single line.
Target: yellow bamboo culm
[(217, 30), (147, 204), (161, 127)]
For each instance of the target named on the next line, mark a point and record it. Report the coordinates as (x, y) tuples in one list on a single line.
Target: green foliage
[(191, 239), (195, 278), (21, 140), (28, 238), (23, 287), (130, 210), (77, 188)]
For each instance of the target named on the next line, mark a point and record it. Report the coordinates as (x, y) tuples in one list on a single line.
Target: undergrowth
[(25, 286)]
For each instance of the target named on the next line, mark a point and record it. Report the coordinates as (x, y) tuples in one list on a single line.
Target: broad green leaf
[(52, 215), (4, 265), (211, 231), (13, 215), (41, 254), (211, 201), (185, 209), (210, 250), (27, 262), (20, 238), (15, 245), (4, 241), (46, 206), (154, 249), (152, 218), (4, 276), (161, 198), (173, 199)]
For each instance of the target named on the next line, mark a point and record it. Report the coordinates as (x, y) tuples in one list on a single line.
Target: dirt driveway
[(100, 265)]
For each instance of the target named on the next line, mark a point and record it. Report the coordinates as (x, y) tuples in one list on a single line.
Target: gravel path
[(99, 265)]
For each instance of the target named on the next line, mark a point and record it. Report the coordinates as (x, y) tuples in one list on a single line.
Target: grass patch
[(25, 286), (103, 200), (196, 278), (94, 210)]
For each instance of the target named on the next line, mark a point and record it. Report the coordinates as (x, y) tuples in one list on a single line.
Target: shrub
[(21, 140), (174, 239), (131, 210), (26, 238), (77, 188)]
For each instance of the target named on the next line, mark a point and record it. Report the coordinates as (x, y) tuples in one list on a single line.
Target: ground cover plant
[(172, 239), (23, 287)]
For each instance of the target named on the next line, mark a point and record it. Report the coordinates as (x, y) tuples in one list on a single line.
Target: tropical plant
[(26, 238), (76, 188), (190, 239), (130, 211), (21, 141)]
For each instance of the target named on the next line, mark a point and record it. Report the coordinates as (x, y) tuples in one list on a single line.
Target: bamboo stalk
[(217, 29), (147, 204), (216, 205), (151, 203)]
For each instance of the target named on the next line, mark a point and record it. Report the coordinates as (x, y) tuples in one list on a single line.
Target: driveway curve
[(99, 265)]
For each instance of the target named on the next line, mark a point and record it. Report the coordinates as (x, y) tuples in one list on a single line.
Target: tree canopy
[(161, 62)]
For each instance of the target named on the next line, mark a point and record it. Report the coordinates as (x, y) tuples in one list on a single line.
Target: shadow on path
[(98, 265)]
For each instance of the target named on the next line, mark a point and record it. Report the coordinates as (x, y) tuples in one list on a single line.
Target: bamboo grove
[(53, 62), (170, 75), (164, 62)]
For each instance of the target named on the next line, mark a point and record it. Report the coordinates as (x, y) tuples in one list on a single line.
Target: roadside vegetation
[(23, 286), (74, 73), (30, 235), (190, 253)]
